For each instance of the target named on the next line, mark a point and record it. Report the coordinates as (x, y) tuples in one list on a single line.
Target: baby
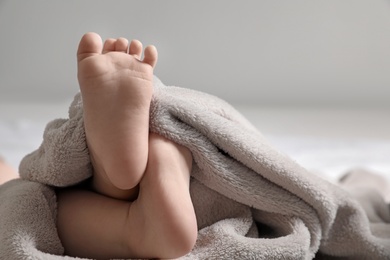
[(139, 205)]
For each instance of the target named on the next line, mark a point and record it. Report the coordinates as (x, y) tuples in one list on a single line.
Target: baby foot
[(116, 87)]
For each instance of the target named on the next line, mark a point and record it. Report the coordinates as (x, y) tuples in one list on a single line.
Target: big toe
[(90, 44)]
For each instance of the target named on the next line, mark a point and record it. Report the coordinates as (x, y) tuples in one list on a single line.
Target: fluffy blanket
[(251, 201)]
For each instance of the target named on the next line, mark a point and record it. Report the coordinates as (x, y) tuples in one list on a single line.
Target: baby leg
[(163, 214), (160, 223)]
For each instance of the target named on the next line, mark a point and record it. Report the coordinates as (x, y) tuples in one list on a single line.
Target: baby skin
[(7, 173), (139, 205)]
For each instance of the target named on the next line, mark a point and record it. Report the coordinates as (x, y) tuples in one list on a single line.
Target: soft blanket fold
[(251, 201)]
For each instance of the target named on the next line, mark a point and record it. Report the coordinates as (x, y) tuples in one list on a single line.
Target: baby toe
[(121, 45), (135, 48), (150, 56), (109, 45)]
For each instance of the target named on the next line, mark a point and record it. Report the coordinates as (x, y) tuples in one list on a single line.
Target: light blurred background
[(313, 76), (273, 53)]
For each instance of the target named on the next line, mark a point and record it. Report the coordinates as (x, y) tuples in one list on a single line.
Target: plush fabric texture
[(251, 201)]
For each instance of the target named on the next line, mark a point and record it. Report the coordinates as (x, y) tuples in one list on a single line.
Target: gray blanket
[(251, 201)]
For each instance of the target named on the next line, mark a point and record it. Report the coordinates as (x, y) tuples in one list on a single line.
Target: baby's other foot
[(116, 87)]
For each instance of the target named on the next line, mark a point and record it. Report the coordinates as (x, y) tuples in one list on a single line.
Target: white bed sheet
[(22, 126), (298, 133), (333, 157), (19, 137)]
